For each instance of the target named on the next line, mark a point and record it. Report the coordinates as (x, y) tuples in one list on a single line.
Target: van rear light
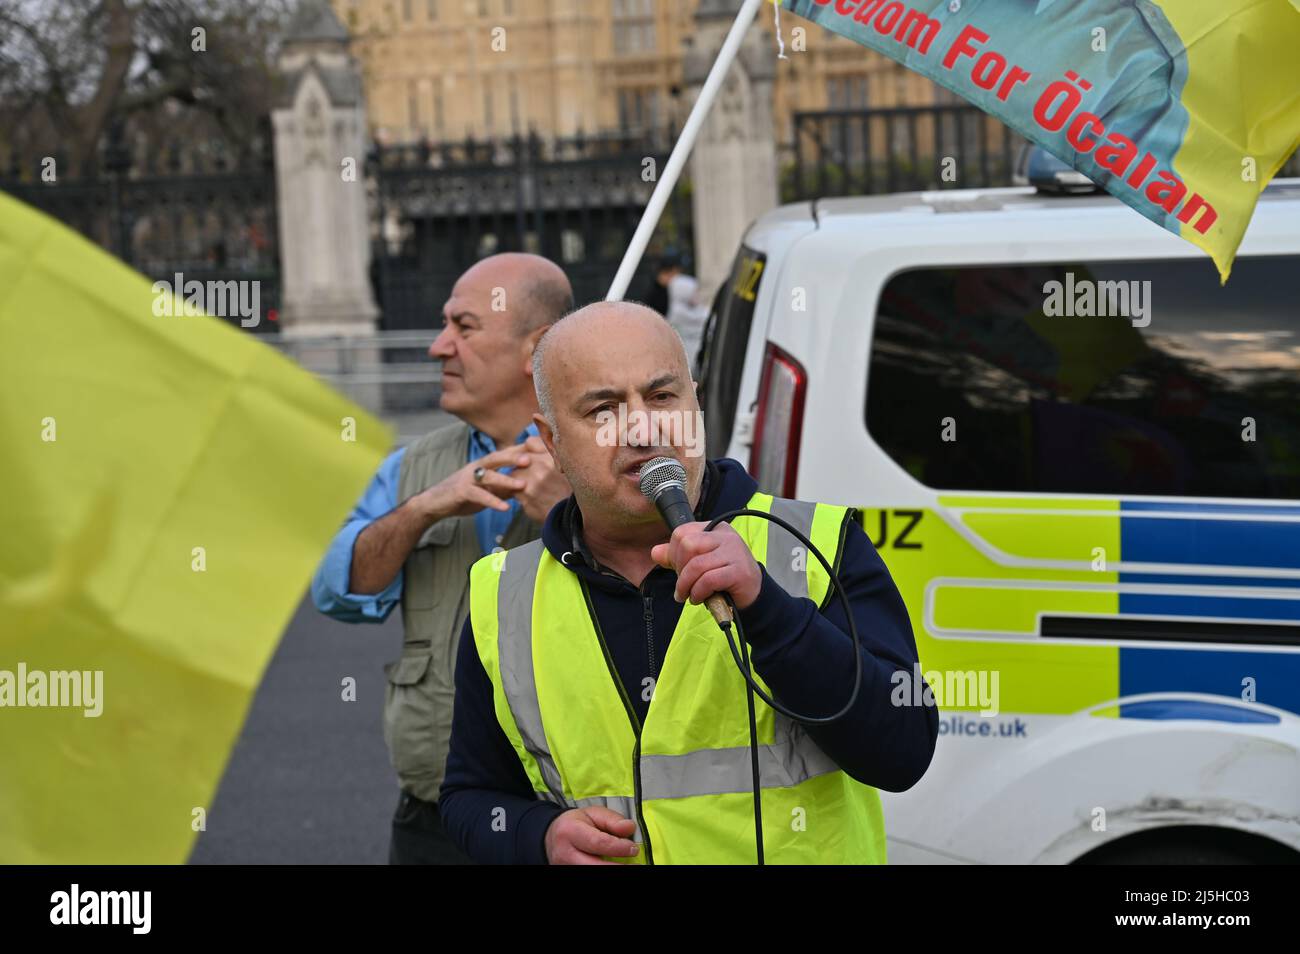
[(778, 423)]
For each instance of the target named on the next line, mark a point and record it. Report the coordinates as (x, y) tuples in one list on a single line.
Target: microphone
[(663, 482)]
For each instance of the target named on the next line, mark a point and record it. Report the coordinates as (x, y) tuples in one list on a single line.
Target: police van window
[(1105, 378), (724, 343)]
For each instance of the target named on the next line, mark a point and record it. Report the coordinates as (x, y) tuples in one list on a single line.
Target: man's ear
[(548, 438), (530, 345)]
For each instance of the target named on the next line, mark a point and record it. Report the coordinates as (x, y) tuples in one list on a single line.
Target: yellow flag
[(168, 485)]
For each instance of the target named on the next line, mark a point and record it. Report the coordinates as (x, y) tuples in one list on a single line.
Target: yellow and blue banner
[(1183, 109)]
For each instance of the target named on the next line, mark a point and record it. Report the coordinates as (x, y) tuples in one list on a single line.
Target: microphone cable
[(741, 658)]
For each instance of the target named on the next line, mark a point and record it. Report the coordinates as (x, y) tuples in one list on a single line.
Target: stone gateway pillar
[(733, 165), (320, 149)]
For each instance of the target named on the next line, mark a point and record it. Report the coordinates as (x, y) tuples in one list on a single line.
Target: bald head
[(614, 391), (595, 335), (496, 312), (537, 292)]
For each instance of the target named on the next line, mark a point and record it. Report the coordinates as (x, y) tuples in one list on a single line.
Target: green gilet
[(684, 776), (435, 590)]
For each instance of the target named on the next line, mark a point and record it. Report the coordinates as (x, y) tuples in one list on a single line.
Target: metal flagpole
[(659, 198)]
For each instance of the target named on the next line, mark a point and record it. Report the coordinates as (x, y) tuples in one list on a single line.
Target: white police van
[(1094, 518)]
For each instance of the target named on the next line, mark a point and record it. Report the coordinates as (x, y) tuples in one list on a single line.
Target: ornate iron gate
[(195, 214), (576, 201)]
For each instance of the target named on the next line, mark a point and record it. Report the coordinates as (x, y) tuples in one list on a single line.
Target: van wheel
[(1192, 845)]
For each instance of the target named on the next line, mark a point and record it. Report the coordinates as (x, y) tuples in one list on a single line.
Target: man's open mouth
[(633, 469)]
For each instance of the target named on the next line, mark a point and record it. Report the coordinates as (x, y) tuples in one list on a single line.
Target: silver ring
[(478, 474)]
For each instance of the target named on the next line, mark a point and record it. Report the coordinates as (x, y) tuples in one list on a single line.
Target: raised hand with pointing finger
[(544, 485)]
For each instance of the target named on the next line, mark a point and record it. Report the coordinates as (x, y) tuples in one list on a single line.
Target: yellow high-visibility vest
[(684, 776)]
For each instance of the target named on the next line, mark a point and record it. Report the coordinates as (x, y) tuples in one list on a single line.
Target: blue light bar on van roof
[(1046, 173)]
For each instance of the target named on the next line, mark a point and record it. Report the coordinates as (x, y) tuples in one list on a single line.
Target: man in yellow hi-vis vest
[(600, 716)]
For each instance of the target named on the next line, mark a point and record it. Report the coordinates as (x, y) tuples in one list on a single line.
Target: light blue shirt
[(329, 587), (492, 525)]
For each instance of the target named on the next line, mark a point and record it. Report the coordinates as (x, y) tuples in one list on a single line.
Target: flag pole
[(659, 198)]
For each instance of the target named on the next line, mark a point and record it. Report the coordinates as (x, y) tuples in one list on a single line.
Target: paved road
[(309, 780)]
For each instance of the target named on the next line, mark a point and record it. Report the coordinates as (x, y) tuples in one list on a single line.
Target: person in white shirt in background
[(686, 313)]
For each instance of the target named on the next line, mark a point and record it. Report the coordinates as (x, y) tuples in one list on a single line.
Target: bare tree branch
[(121, 49), (72, 69)]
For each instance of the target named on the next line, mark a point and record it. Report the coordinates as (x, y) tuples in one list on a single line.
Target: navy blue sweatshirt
[(805, 657)]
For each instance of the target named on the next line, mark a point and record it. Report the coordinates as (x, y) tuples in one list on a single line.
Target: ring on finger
[(479, 472)]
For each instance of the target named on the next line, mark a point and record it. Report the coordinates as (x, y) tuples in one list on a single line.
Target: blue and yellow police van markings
[(1259, 546), (1079, 602)]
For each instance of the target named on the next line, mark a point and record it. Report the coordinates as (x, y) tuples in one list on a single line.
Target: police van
[(1079, 456)]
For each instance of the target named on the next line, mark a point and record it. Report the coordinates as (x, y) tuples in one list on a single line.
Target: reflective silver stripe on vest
[(625, 805), (780, 565), (722, 771), (515, 654), (780, 561), (515, 651)]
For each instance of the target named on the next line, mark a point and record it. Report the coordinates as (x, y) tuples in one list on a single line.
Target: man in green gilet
[(481, 484)]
